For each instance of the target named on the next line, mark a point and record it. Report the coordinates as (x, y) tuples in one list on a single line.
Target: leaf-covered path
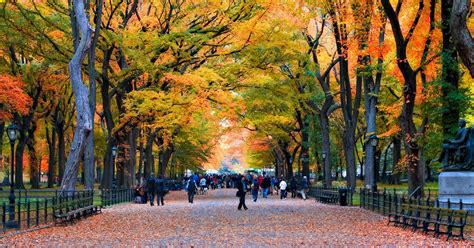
[(213, 220)]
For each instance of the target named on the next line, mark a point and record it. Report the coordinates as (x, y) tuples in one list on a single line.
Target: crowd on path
[(255, 184)]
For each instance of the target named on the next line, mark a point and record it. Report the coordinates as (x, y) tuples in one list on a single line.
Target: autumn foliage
[(13, 99)]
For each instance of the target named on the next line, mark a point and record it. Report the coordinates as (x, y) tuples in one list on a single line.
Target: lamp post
[(114, 153), (12, 135), (374, 141)]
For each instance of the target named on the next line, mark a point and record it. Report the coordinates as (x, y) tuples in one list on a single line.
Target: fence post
[(37, 212), (4, 210), (19, 214), (28, 208), (384, 198), (46, 210)]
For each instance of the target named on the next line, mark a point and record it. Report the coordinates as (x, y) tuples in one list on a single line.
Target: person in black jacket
[(293, 187), (160, 190), (150, 188), (241, 190)]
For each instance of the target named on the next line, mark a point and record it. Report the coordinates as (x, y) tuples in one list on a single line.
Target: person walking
[(304, 186), (265, 185), (160, 190), (241, 190), (293, 187), (191, 187), (283, 185), (255, 188), (150, 186)]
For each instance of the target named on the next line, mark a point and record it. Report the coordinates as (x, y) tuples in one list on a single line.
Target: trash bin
[(343, 197)]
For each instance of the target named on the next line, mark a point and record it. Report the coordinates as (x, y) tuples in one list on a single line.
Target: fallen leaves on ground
[(214, 221)]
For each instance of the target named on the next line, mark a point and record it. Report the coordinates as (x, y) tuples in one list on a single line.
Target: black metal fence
[(385, 202), (35, 208), (115, 196)]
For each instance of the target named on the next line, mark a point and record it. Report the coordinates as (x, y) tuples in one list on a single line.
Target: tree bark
[(450, 74), (326, 148), (132, 141), (84, 120), (149, 163), (396, 156), (406, 120), (34, 162), (51, 140), (61, 151), (461, 35), (349, 104)]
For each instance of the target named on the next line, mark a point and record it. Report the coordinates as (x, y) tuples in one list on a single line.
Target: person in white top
[(283, 186)]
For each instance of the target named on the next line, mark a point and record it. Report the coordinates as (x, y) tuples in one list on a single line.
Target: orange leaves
[(12, 97)]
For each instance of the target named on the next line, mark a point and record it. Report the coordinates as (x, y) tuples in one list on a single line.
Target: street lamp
[(114, 154), (374, 141), (12, 135)]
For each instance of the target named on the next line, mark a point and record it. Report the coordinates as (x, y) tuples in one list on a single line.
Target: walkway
[(213, 220)]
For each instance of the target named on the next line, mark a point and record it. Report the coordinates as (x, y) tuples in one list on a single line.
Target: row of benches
[(426, 218), (327, 196), (67, 209)]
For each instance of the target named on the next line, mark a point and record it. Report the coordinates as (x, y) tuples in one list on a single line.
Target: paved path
[(214, 221)]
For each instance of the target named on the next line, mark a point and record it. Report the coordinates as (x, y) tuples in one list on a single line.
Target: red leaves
[(12, 97)]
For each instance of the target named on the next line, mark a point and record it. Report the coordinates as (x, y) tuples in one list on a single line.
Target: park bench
[(439, 220), (327, 196), (67, 209)]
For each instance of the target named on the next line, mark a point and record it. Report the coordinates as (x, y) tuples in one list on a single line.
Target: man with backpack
[(160, 190), (191, 187), (150, 187)]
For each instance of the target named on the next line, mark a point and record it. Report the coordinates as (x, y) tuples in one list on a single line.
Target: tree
[(410, 134), (84, 119)]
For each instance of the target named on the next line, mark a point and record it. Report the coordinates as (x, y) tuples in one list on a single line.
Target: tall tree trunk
[(304, 157), (140, 162), (132, 142), (396, 156), (2, 130), (450, 74), (406, 120), (349, 104), (326, 149), (149, 163), (61, 151), (89, 156), (20, 149), (460, 32), (34, 162), (349, 152), (84, 120), (51, 139), (164, 161)]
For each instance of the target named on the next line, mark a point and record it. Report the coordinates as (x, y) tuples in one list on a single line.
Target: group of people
[(256, 184), (267, 185), (153, 187)]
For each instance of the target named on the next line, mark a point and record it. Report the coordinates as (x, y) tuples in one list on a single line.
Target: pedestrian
[(241, 190), (160, 190), (304, 186), (283, 185), (255, 188), (275, 184), (150, 185), (293, 187), (191, 188), (265, 185)]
